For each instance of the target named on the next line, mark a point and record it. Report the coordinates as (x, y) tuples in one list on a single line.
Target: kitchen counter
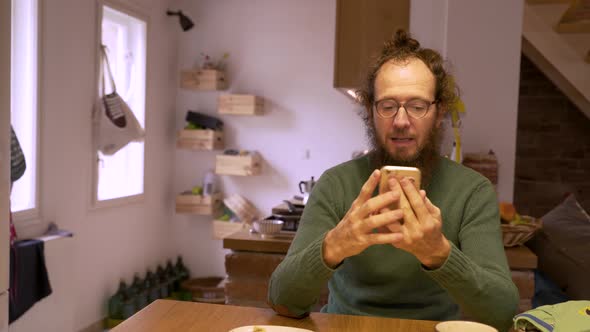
[(519, 257), (254, 258), (246, 241), (250, 264)]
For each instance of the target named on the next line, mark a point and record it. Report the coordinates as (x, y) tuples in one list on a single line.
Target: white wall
[(483, 44), (484, 54), (109, 244), (284, 50)]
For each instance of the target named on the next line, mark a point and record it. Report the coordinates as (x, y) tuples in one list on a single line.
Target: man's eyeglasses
[(416, 108)]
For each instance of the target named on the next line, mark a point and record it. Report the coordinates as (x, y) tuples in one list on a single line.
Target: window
[(24, 103), (122, 174)]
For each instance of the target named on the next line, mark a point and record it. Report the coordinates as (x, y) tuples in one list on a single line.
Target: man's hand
[(355, 232), (421, 231)]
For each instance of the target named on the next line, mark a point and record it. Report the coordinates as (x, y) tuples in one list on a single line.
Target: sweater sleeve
[(476, 273), (296, 283)]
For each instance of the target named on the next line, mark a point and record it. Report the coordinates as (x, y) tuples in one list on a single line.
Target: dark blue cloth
[(546, 291), (29, 281)]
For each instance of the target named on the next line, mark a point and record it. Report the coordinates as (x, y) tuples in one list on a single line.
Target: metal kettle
[(305, 188)]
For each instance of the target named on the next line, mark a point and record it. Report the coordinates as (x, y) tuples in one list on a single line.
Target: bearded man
[(443, 256)]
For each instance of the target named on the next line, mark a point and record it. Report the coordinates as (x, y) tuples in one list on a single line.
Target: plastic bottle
[(209, 183)]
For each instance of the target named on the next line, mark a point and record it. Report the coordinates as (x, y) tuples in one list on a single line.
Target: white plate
[(463, 326), (268, 328)]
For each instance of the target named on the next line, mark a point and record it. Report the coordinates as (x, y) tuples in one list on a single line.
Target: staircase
[(556, 38)]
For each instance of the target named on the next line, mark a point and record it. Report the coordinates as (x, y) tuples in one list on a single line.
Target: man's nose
[(401, 120)]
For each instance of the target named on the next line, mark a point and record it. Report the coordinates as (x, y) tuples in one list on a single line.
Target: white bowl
[(268, 227), (463, 326)]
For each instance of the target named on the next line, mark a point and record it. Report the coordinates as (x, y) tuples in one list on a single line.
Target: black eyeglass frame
[(400, 105)]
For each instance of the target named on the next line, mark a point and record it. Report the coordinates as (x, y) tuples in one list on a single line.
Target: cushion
[(563, 248)]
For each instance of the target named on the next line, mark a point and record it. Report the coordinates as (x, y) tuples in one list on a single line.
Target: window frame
[(96, 204), (33, 216)]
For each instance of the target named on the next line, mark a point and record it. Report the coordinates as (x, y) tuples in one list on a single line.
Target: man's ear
[(369, 111), (440, 115)]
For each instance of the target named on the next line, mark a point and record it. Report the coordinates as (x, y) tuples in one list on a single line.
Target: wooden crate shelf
[(198, 204), (222, 229), (241, 165), (200, 139), (240, 104), (203, 79)]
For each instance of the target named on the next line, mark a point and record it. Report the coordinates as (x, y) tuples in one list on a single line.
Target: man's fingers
[(434, 211), (385, 238), (367, 189), (383, 219), (415, 199), (393, 183), (377, 203)]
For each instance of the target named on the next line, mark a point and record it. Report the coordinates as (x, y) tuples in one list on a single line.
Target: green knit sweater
[(389, 282)]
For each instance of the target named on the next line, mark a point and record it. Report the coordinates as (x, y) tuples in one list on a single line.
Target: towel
[(29, 281), (570, 316)]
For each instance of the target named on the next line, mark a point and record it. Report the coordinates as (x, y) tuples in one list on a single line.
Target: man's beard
[(426, 158)]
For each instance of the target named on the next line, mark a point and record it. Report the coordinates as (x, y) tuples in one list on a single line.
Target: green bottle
[(170, 277), (116, 301), (161, 274), (155, 290), (140, 296), (183, 272)]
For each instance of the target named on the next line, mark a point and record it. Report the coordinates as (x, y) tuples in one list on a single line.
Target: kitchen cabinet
[(361, 29), (250, 264)]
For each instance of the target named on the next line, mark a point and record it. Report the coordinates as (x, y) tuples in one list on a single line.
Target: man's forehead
[(406, 73), (411, 70)]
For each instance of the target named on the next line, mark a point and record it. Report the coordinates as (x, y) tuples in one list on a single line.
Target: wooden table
[(170, 316)]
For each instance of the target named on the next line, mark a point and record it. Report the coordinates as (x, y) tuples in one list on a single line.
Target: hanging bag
[(18, 165), (114, 123)]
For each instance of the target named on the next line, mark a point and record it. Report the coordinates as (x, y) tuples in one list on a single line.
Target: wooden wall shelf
[(200, 139), (203, 79), (198, 204), (240, 104), (241, 165)]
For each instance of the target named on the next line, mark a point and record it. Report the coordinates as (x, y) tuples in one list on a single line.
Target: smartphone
[(411, 173)]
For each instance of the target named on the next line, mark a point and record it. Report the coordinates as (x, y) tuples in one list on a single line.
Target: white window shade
[(122, 174), (23, 100)]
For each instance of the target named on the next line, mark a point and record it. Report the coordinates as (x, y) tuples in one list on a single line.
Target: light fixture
[(352, 93), (185, 22)]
